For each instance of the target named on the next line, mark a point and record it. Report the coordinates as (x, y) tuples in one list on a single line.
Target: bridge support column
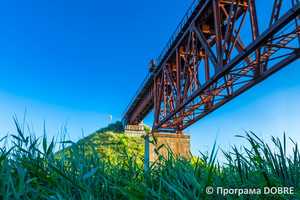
[(178, 143)]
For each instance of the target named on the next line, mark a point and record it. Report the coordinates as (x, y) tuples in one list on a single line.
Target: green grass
[(30, 169)]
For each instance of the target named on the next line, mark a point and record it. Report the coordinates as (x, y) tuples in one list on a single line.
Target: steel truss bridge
[(216, 53)]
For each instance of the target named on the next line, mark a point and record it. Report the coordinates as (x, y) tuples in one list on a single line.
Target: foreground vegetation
[(32, 170)]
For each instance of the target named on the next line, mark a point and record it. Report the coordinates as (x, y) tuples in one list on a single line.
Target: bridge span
[(217, 52)]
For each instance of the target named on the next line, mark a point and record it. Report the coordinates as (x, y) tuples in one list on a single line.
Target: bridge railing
[(165, 50)]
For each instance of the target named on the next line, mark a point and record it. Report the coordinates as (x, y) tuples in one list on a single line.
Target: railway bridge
[(217, 52)]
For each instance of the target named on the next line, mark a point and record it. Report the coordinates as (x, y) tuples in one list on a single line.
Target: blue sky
[(77, 62)]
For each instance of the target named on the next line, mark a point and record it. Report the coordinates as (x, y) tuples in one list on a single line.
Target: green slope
[(109, 142)]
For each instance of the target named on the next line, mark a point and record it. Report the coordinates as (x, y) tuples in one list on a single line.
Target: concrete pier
[(178, 143)]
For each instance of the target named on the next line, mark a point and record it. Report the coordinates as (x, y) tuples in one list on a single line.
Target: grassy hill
[(109, 142)]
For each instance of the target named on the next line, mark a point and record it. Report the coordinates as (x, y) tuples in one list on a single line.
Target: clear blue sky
[(81, 61)]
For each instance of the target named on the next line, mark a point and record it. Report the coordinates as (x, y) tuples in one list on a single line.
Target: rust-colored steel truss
[(209, 63)]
